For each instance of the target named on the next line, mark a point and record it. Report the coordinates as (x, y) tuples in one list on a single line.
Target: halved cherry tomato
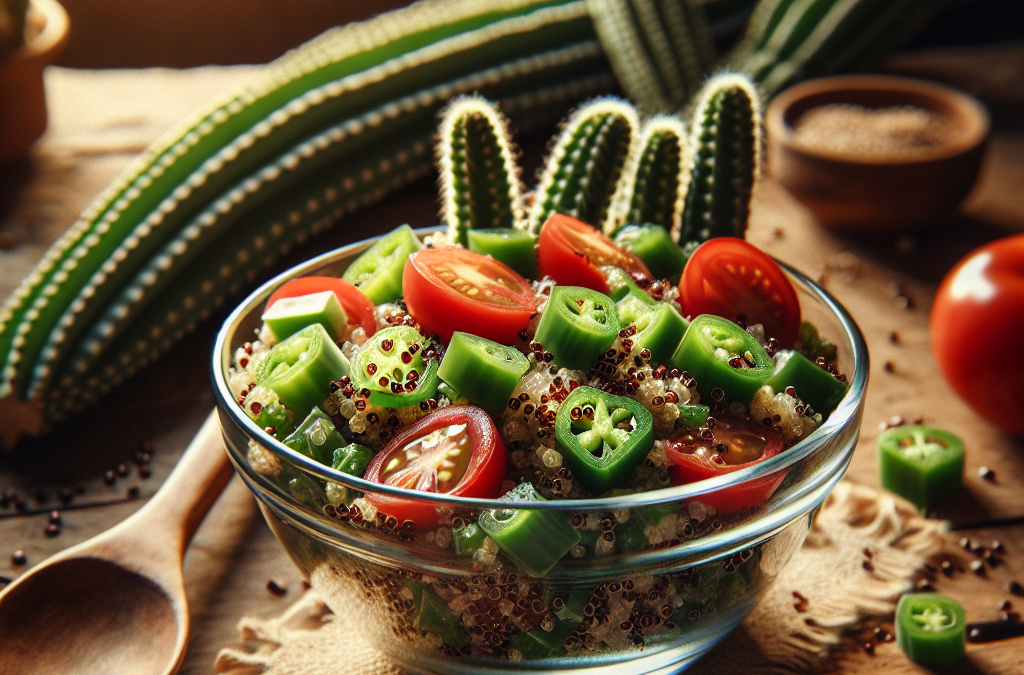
[(729, 277), (571, 252), (455, 451), (358, 308), (452, 289), (738, 443)]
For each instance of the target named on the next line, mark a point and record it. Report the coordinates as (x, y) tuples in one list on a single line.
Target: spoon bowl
[(116, 603)]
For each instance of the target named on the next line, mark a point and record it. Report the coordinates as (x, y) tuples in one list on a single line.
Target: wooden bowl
[(857, 190)]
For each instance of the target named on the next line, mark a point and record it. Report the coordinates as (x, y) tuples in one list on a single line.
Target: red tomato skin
[(483, 477), (564, 261), (708, 287), (441, 310), (977, 324), (358, 308), (688, 468)]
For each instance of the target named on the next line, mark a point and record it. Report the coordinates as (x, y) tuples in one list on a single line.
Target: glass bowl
[(651, 581)]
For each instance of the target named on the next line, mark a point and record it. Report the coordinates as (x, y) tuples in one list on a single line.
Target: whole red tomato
[(977, 327)]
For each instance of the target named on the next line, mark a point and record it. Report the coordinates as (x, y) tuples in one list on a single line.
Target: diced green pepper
[(660, 331), (431, 614), (921, 464), (300, 369), (288, 316), (652, 244), (534, 539), (810, 343), (577, 326), (694, 415), (378, 271), (277, 417), (602, 437), (814, 385), (391, 364), (468, 539), (352, 459), (723, 357), (931, 629), (513, 247), (541, 644), (316, 437), (483, 371)]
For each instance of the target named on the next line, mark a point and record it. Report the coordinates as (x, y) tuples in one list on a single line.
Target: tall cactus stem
[(725, 145), (479, 176)]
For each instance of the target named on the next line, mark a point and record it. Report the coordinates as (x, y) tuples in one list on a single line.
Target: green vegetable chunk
[(352, 459), (290, 315), (397, 366), (602, 437), (577, 326), (541, 644), (316, 437), (468, 539), (511, 246), (659, 331), (378, 271), (482, 370), (723, 357), (300, 369), (930, 629), (921, 464), (622, 286), (815, 386), (431, 614), (653, 245), (276, 417), (533, 539)]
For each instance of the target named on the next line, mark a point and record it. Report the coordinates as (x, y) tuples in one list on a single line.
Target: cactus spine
[(725, 142), (581, 176), (657, 177), (479, 177)]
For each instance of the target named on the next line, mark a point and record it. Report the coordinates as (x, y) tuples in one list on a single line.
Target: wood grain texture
[(101, 119)]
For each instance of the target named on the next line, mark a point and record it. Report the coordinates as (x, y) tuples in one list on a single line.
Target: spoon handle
[(177, 509)]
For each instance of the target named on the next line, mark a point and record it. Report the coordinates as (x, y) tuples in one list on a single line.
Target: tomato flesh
[(738, 442), (572, 253), (729, 277), (977, 315), (455, 450), (358, 308), (452, 289)]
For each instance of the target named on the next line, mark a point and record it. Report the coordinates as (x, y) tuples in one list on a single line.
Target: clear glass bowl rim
[(844, 414)]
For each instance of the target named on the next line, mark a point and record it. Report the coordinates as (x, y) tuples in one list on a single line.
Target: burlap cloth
[(777, 637)]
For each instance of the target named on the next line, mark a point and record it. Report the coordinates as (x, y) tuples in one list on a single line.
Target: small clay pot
[(22, 98), (884, 193)]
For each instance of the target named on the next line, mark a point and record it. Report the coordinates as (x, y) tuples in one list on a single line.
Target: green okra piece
[(582, 175), (725, 150), (480, 187)]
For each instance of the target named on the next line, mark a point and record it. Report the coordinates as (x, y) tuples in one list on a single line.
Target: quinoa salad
[(571, 367)]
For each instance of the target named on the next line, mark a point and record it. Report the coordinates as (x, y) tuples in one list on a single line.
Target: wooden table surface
[(101, 119)]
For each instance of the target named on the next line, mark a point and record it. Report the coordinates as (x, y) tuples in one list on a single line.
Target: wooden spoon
[(116, 603)]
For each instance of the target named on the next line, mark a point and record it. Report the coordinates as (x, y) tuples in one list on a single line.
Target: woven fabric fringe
[(841, 593)]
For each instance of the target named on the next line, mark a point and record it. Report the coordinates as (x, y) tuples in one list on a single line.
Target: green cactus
[(657, 177), (479, 177), (790, 40), (725, 144), (659, 49), (581, 176)]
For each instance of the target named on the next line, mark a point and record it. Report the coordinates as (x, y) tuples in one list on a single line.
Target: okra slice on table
[(813, 384), (728, 363), (300, 369), (316, 437), (509, 245), (352, 459), (659, 330), (577, 326), (931, 629), (654, 245), (288, 316), (920, 463), (602, 437), (482, 370), (378, 271), (397, 366), (534, 539)]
